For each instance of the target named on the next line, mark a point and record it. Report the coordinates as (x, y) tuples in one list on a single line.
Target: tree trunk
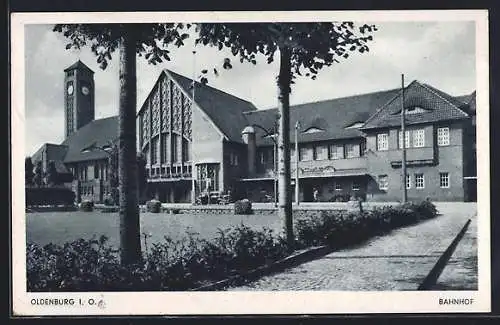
[(130, 242), (284, 193)]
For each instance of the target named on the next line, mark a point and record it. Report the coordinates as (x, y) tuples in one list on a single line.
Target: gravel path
[(397, 261)]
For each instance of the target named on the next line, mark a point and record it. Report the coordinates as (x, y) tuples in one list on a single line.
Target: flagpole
[(403, 140), (193, 166)]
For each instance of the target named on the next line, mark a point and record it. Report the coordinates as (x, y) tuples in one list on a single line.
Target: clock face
[(70, 89), (85, 90)]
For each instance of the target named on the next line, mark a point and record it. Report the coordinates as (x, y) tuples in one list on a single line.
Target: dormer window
[(355, 125), (313, 130), (412, 110)]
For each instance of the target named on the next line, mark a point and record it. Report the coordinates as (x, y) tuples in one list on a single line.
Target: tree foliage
[(152, 43), (28, 171), (51, 175), (38, 177), (313, 45)]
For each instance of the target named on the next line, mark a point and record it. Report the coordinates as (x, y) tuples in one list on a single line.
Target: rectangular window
[(443, 136), (321, 153), (336, 151), (262, 157), (185, 150), (233, 159), (305, 154), (418, 138), (408, 181), (352, 150), (383, 182), (164, 148), (382, 141), (419, 181), (175, 154), (338, 186), (444, 180), (96, 171), (355, 186), (407, 139), (154, 151)]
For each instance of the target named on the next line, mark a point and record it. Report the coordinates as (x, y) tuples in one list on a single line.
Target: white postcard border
[(206, 303)]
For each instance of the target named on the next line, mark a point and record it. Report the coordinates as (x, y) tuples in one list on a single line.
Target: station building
[(220, 143)]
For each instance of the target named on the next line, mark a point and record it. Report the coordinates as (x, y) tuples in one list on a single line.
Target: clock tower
[(79, 107)]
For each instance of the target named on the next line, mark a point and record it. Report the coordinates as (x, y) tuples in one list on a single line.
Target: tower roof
[(78, 65)]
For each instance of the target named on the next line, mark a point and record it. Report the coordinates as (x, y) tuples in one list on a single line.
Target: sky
[(441, 54)]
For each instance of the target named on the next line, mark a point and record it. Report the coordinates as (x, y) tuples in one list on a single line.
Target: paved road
[(397, 261)]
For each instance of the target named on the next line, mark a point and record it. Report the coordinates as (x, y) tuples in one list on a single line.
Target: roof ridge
[(435, 92), (212, 88), (389, 101), (331, 99)]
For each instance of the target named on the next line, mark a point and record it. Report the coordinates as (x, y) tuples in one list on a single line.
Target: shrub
[(340, 228), (175, 211), (36, 196), (153, 206), (87, 206), (243, 207), (108, 201), (91, 265)]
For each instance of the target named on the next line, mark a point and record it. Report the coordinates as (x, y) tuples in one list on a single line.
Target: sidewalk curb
[(295, 259), (431, 279)]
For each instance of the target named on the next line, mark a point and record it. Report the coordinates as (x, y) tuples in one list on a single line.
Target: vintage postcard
[(228, 163)]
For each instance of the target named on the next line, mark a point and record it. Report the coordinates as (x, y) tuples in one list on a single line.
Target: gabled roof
[(334, 116), (225, 110), (470, 100), (78, 65), (99, 132), (439, 106), (52, 152)]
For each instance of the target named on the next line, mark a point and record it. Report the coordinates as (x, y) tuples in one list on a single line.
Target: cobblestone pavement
[(399, 260)]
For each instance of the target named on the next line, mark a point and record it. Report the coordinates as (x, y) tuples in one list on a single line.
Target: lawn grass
[(61, 227)]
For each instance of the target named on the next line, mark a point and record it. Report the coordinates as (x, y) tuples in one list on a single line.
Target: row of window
[(418, 181), (175, 170), (319, 152), (413, 138), (165, 149), (82, 173)]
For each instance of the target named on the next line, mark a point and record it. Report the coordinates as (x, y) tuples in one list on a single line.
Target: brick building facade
[(348, 146)]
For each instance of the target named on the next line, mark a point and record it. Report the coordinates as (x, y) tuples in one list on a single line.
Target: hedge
[(92, 265), (342, 228), (38, 196)]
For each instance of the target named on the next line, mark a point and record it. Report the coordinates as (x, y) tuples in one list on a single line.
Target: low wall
[(269, 208)]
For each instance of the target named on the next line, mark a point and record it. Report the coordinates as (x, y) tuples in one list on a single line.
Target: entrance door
[(308, 190)]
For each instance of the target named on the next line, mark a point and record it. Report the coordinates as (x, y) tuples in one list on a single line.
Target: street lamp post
[(297, 127), (272, 135)]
